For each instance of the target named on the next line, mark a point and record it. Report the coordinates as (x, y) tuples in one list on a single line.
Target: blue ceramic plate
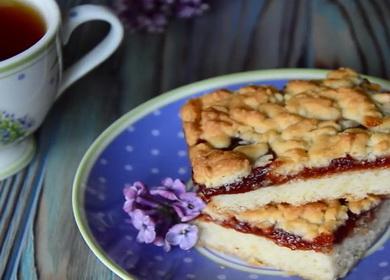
[(147, 144)]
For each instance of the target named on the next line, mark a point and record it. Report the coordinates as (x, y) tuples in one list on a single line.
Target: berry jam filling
[(322, 243), (262, 177)]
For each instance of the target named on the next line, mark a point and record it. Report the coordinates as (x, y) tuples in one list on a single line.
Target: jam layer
[(322, 243), (263, 177)]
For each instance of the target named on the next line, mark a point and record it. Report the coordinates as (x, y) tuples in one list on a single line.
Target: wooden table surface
[(38, 235)]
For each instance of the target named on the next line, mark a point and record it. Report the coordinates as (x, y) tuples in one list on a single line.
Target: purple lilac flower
[(154, 15), (184, 235), (170, 189), (145, 225), (186, 204), (188, 207), (131, 193), (137, 196), (190, 8), (157, 213)]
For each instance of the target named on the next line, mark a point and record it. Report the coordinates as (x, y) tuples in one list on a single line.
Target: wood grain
[(43, 242)]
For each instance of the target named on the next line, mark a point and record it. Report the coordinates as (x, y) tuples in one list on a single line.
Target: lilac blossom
[(188, 207), (170, 189), (131, 193), (145, 225), (186, 204), (154, 15), (158, 213), (183, 235), (137, 196)]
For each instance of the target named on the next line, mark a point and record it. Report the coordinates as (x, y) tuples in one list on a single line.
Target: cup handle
[(77, 16)]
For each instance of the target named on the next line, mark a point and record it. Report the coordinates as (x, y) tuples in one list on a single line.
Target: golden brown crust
[(308, 124), (308, 221), (362, 205), (209, 163)]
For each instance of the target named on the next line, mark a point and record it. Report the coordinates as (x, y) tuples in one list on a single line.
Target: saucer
[(147, 144), (15, 157)]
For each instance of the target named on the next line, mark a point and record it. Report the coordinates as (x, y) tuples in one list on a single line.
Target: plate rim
[(117, 127)]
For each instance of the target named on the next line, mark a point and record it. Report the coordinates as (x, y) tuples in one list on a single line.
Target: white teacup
[(32, 80)]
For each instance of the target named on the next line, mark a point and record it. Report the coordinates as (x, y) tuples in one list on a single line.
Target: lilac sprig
[(154, 15), (161, 214)]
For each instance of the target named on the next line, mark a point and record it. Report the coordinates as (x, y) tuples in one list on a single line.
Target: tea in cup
[(31, 74)]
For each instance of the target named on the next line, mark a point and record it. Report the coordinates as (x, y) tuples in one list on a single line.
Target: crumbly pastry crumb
[(306, 125)]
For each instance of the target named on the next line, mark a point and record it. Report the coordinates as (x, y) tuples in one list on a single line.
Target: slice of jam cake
[(314, 140), (319, 240), (298, 178)]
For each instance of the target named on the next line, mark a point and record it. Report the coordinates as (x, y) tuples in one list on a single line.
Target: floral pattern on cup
[(13, 128)]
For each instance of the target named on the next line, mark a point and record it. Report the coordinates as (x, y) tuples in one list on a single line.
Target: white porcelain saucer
[(15, 157)]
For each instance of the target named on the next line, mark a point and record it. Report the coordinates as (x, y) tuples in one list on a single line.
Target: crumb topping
[(306, 125)]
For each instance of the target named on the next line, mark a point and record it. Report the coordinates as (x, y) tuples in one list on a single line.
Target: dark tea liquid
[(21, 26)]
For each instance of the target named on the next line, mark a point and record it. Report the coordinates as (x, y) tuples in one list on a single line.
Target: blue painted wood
[(27, 268), (21, 193), (233, 36), (27, 216)]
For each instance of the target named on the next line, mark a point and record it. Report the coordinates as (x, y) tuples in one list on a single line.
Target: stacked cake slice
[(295, 178)]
